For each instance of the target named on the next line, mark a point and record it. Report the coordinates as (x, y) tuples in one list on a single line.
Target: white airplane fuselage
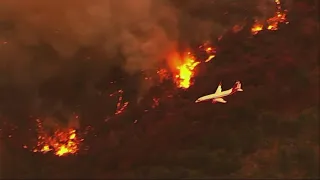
[(216, 95), (219, 94)]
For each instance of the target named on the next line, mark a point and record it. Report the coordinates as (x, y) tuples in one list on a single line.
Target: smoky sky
[(141, 30), (40, 38)]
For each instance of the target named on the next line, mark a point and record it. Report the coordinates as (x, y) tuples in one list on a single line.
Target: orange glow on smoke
[(61, 142)]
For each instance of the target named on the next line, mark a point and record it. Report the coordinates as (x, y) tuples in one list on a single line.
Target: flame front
[(62, 142), (273, 22), (183, 78), (182, 66)]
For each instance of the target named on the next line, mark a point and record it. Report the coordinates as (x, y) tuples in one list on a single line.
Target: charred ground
[(269, 130)]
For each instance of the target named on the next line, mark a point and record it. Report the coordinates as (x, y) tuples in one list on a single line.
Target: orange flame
[(186, 72), (62, 142), (257, 27), (183, 65), (273, 22)]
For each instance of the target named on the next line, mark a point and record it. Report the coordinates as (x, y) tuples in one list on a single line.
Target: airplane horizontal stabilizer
[(219, 100)]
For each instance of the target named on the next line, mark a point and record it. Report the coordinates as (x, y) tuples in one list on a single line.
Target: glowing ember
[(236, 28), (62, 142), (155, 102), (274, 21), (256, 28), (163, 74), (209, 58), (210, 51), (120, 106)]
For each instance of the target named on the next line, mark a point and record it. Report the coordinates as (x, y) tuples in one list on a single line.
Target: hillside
[(269, 130)]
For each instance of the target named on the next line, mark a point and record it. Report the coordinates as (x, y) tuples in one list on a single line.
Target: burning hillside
[(181, 72), (108, 118), (182, 66)]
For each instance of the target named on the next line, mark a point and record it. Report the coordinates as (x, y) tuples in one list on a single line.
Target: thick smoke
[(141, 30), (40, 38)]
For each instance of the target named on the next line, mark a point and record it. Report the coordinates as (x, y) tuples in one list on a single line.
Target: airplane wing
[(219, 100), (219, 89)]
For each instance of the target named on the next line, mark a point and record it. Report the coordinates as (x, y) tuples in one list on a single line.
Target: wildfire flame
[(62, 142), (257, 27), (184, 65), (65, 141), (183, 78), (273, 22)]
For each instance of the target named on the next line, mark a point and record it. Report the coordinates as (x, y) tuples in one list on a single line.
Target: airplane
[(219, 94)]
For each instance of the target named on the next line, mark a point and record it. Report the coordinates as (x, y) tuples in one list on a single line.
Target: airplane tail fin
[(237, 86)]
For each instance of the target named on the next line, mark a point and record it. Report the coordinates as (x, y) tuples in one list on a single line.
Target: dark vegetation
[(269, 130)]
